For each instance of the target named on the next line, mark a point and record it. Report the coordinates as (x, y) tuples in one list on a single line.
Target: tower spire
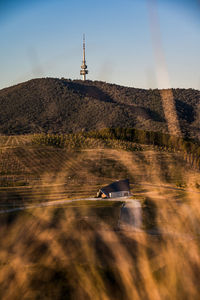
[(84, 70)]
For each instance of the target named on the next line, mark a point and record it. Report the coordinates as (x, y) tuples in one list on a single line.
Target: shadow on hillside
[(185, 111), (90, 91), (186, 117), (97, 93)]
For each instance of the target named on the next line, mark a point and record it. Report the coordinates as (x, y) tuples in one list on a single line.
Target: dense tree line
[(148, 137), (161, 140)]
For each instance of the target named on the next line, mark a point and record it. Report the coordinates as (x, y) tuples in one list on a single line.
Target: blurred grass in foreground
[(76, 253)]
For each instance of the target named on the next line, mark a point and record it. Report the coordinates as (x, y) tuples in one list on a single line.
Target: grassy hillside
[(32, 172), (64, 106), (76, 250)]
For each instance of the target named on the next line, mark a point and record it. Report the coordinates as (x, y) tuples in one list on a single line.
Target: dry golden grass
[(62, 253), (52, 254)]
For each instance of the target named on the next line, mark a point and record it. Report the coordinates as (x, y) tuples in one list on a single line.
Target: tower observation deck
[(84, 70)]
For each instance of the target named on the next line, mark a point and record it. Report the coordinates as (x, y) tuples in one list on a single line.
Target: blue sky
[(139, 43)]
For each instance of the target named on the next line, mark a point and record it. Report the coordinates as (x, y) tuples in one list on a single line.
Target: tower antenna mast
[(84, 70)]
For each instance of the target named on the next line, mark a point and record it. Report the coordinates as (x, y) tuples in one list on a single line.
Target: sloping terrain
[(64, 106), (32, 173), (77, 251)]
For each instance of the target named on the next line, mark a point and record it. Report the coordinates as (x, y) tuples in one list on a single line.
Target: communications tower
[(84, 70)]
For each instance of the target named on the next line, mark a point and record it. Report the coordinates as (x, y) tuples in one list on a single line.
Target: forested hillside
[(66, 106)]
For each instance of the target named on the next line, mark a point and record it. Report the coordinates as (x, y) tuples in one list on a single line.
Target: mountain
[(64, 106)]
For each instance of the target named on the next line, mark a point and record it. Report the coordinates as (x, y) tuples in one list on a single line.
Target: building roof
[(117, 186)]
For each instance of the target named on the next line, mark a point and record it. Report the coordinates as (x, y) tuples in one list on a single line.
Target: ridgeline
[(62, 106)]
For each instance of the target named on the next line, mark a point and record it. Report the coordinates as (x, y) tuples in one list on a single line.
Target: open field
[(76, 250), (31, 173)]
